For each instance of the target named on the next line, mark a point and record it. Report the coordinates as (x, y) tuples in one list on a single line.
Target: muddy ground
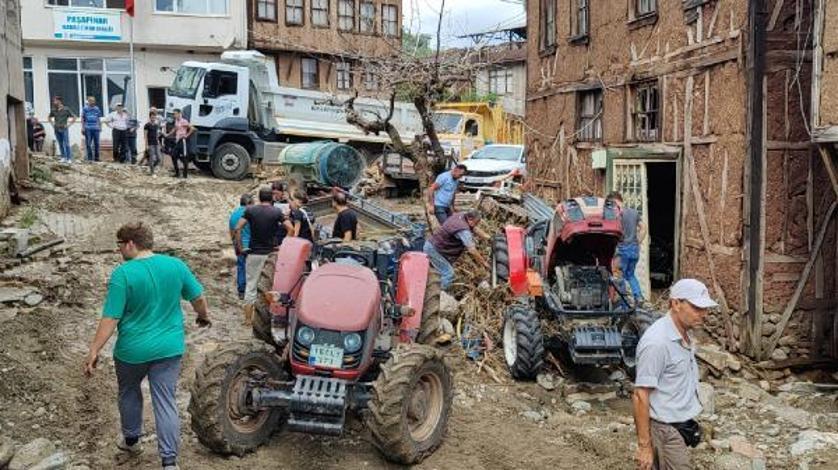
[(496, 424)]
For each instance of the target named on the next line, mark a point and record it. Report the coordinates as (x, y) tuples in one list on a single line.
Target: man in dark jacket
[(449, 241)]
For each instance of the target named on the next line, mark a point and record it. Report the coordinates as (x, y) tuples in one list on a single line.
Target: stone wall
[(13, 151)]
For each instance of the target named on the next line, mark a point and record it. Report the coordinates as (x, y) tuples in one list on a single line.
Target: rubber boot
[(248, 314)]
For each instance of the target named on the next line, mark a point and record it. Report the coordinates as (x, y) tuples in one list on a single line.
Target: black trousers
[(180, 154), (121, 151)]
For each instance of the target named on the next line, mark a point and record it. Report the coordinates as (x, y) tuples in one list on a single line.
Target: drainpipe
[(755, 183)]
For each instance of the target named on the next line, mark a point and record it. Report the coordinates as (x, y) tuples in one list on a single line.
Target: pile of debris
[(39, 454)]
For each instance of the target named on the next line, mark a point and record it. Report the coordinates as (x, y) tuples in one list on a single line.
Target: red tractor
[(559, 268), (350, 328)]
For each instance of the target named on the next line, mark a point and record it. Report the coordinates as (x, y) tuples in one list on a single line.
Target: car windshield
[(186, 82), (497, 153), (445, 123)]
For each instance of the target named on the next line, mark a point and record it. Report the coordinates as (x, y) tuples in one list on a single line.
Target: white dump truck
[(243, 116)]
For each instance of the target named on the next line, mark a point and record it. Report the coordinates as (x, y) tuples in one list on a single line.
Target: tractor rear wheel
[(431, 326), (222, 417), (500, 260), (523, 342), (262, 316), (410, 404)]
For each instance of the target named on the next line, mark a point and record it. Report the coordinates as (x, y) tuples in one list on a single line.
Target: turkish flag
[(129, 7)]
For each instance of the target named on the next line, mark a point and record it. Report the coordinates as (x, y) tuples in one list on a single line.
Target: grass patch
[(41, 174), (28, 217)]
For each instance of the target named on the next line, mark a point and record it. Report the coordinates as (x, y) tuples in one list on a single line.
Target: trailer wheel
[(500, 260), (222, 417), (230, 161), (262, 317), (523, 342), (431, 327), (410, 404)]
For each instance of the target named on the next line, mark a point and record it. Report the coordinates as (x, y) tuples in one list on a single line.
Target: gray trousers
[(162, 380), (670, 450), (253, 269)]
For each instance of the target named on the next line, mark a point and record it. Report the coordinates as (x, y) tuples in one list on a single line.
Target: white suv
[(491, 164)]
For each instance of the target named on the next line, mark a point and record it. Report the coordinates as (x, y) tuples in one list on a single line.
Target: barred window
[(346, 15), (343, 76), (320, 12), (646, 112), (294, 12)]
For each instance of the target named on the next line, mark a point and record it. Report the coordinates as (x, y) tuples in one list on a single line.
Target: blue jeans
[(162, 381), (442, 213), (446, 271), (241, 276), (91, 141), (62, 138), (629, 255)]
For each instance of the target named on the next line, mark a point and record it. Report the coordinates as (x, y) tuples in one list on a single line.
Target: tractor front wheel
[(500, 260), (262, 315), (410, 404), (523, 342), (223, 417), (431, 326)]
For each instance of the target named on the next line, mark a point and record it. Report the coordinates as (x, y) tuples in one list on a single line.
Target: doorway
[(661, 194)]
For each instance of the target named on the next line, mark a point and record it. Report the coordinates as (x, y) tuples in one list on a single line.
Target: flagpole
[(133, 69)]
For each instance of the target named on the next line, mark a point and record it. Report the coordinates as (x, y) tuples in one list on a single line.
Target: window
[(583, 17), (646, 112), (645, 7), (28, 80), (266, 10), (294, 12), (367, 17), (111, 4), (390, 20), (346, 15), (192, 7), (220, 83), (370, 81), (310, 75), (185, 84), (157, 97), (500, 81), (343, 76), (76, 79), (589, 123), (320, 12), (548, 24)]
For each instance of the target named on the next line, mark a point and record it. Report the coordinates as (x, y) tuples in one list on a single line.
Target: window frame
[(548, 36), (498, 74), (361, 18), (300, 7), (260, 17), (207, 14), (651, 132), (586, 132), (343, 75), (105, 74), (48, 4), (580, 22), (30, 72), (319, 9), (371, 82), (344, 16), (385, 22), (639, 14), (303, 61)]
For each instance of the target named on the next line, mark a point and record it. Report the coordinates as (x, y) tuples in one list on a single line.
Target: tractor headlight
[(305, 336), (352, 342)]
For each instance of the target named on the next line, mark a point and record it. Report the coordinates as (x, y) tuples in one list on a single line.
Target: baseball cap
[(694, 292)]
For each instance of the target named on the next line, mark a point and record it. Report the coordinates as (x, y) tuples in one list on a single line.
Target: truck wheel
[(222, 418), (230, 161), (431, 328), (410, 404), (262, 317), (500, 260), (523, 342), (636, 326)]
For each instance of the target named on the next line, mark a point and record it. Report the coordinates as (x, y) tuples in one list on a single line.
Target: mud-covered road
[(43, 393)]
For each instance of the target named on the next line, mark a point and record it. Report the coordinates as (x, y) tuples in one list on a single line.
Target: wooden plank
[(801, 284), (713, 20), (783, 145), (830, 169), (778, 7), (700, 212), (705, 129), (775, 258), (723, 200), (817, 67)]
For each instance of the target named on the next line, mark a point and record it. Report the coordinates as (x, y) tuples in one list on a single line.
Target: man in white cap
[(666, 384)]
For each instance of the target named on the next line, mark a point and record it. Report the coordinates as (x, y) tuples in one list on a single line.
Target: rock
[(7, 314), (763, 384), (707, 397), (40, 411), (811, 440), (732, 462), (787, 340), (447, 303), (740, 445), (720, 444), (712, 356), (33, 299), (616, 426), (751, 392), (7, 451), (768, 329), (32, 453), (779, 355), (14, 294), (535, 416), (580, 407), (547, 381), (795, 416), (57, 461), (617, 376)]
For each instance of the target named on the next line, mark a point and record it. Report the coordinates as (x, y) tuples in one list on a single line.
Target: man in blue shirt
[(629, 247), (241, 257), (441, 193), (91, 116)]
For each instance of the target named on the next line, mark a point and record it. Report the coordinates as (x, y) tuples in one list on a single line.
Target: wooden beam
[(817, 66), (778, 7), (830, 169), (699, 209)]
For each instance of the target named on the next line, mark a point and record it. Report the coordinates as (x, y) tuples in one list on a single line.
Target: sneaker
[(135, 449)]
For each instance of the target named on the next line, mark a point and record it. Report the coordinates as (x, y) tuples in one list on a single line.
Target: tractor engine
[(582, 287)]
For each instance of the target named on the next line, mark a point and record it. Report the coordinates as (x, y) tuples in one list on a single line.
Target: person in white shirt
[(118, 122)]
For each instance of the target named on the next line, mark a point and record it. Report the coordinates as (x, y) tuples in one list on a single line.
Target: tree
[(416, 45)]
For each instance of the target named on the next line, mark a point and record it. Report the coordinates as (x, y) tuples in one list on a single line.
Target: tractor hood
[(339, 297)]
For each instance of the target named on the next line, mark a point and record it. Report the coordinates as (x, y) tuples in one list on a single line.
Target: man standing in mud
[(629, 248), (666, 384), (143, 305)]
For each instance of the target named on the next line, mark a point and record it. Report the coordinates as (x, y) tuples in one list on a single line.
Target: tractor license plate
[(326, 356)]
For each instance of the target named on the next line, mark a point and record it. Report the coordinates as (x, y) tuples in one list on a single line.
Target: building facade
[(505, 77), (322, 44), (80, 48), (14, 160), (697, 111)]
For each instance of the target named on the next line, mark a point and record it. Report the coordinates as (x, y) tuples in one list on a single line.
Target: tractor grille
[(301, 353)]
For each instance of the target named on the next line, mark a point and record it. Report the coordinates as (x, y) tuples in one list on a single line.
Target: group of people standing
[(160, 136)]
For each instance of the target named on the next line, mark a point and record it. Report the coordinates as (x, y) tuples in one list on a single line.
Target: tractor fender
[(516, 244), (290, 267), (410, 290)]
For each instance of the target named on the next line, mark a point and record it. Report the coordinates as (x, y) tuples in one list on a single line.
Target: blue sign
[(85, 25)]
